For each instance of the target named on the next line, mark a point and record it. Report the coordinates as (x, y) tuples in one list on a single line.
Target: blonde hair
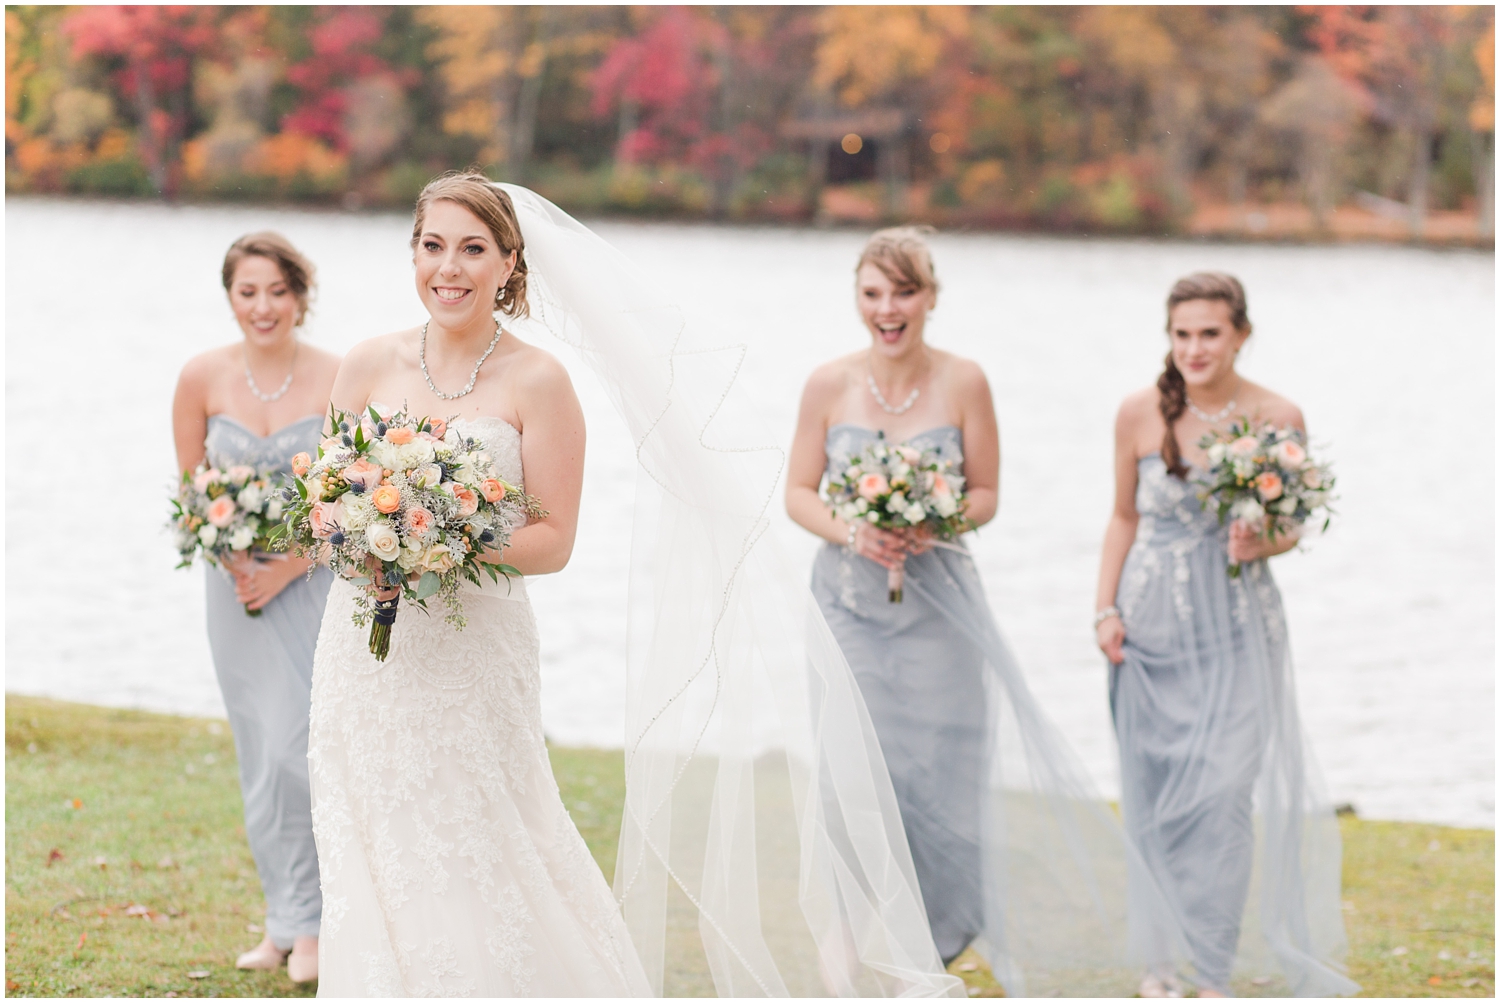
[(902, 255), (493, 207), (296, 271)]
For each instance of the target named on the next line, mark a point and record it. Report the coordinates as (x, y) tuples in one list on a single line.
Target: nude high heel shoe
[(302, 964), (265, 957)]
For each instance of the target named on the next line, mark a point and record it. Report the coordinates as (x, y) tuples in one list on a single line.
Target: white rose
[(467, 471), (896, 502), (241, 538), (1287, 505), (915, 513), (384, 541), (1247, 509), (273, 510), (429, 475), (1216, 453), (945, 505), (209, 534), (251, 497)]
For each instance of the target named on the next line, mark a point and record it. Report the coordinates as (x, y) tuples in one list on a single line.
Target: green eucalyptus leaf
[(428, 585)]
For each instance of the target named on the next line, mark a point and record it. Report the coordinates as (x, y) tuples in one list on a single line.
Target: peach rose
[(331, 443), (221, 511), (1269, 485), (241, 473), (301, 463), (438, 558), (324, 517), (365, 473), (872, 486), (1245, 445), (1312, 477), (492, 489), (468, 501), (1290, 454), (439, 427), (386, 499), (204, 478), (400, 435), (418, 521)]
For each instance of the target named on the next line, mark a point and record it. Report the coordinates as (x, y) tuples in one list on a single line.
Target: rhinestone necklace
[(422, 357), (1220, 415), (285, 386), (885, 404)]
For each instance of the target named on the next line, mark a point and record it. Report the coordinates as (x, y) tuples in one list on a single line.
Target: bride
[(761, 851), (450, 864)]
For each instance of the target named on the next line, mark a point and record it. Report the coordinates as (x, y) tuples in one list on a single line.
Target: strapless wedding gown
[(450, 866)]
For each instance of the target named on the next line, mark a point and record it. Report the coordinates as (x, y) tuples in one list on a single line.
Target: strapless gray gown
[(1013, 849), (264, 665), (1218, 789)]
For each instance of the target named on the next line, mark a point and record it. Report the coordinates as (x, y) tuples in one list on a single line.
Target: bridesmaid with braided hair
[(1218, 789)]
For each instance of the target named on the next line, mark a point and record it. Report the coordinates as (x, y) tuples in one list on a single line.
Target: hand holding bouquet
[(899, 488), (225, 514), (1263, 476), (402, 505)]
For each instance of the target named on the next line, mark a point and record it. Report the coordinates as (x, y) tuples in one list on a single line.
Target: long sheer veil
[(762, 850)]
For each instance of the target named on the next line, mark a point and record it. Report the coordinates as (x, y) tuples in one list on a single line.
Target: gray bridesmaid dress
[(264, 665), (1218, 791), (1013, 849)]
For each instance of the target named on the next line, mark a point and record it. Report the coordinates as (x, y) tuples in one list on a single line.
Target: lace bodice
[(229, 443), (499, 438)]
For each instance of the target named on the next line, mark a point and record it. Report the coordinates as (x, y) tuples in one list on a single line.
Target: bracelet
[(1105, 614), (849, 538)]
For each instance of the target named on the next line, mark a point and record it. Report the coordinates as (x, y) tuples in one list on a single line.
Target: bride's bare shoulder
[(535, 371)]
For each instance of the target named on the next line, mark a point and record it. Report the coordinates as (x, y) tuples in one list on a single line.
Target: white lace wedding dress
[(449, 865)]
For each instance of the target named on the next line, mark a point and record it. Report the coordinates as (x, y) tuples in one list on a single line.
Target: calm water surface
[(1389, 351)]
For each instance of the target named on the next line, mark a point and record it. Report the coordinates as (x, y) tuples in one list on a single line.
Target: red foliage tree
[(156, 48), (341, 41)]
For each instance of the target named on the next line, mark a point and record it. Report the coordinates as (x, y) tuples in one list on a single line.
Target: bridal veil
[(762, 851)]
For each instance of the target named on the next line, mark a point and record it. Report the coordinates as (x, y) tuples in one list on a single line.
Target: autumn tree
[(153, 51)]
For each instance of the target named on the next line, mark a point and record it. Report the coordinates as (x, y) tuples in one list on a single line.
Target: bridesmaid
[(1218, 791), (921, 680), (259, 402)]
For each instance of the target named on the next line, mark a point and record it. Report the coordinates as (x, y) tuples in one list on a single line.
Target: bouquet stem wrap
[(384, 619), (894, 579)]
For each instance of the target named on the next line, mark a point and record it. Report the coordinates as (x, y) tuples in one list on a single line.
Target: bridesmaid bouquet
[(406, 503), (219, 513), (1263, 475), (899, 487)]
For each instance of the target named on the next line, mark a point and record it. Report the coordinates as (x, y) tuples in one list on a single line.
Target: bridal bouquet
[(899, 487), (406, 503), (223, 512), (1261, 474)]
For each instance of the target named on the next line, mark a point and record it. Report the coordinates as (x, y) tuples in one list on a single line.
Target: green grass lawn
[(127, 871)]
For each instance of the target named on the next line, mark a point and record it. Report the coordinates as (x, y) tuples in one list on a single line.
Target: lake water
[(1389, 351)]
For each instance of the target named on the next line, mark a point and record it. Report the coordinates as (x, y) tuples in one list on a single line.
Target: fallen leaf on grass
[(198, 973), (81, 938), (56, 854), (101, 862), (139, 910), (11, 985), (254, 928), (167, 864), (1435, 981), (1397, 951)]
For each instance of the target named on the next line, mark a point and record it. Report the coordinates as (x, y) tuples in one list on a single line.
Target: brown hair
[(902, 255), (296, 270), (492, 205), (1172, 387)]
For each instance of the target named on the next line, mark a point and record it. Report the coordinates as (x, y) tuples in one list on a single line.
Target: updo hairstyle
[(296, 270), (1172, 387), (493, 206), (902, 255)]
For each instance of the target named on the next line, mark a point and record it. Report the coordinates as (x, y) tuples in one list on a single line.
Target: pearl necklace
[(1213, 419), (285, 386), (884, 404), (422, 357)]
